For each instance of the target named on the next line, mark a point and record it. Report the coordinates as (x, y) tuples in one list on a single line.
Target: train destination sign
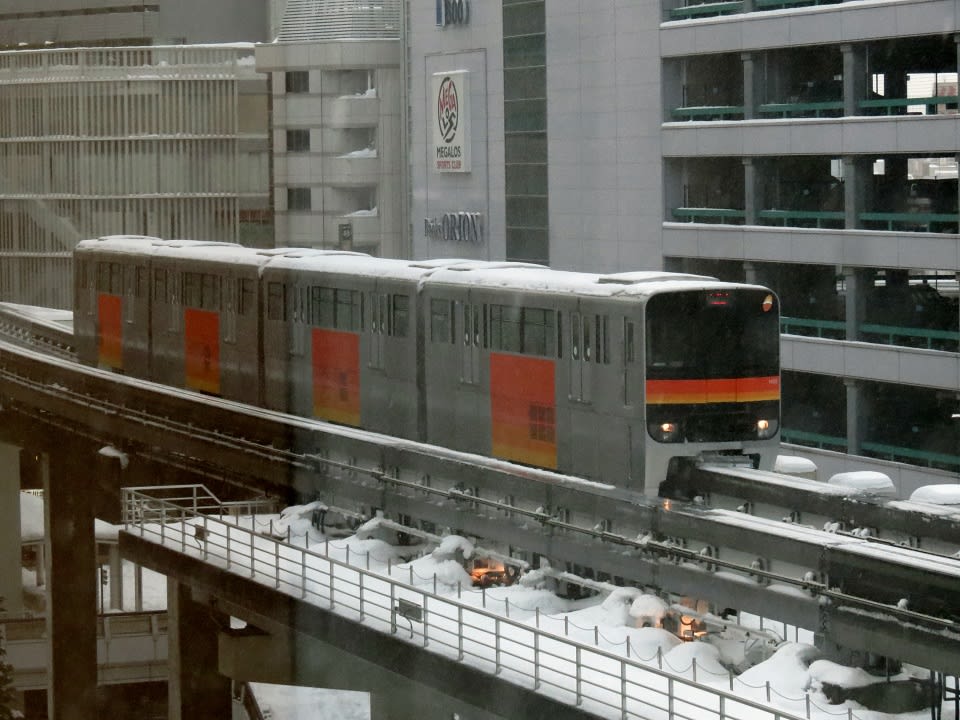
[(451, 121)]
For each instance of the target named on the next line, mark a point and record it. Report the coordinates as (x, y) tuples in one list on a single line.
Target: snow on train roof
[(356, 264), (538, 278)]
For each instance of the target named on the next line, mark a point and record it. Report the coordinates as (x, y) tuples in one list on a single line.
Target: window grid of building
[(97, 141), (525, 130)]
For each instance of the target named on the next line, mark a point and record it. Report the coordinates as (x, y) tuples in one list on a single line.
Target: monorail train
[(608, 377)]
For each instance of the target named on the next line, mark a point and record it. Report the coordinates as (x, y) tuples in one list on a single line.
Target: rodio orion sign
[(451, 121)]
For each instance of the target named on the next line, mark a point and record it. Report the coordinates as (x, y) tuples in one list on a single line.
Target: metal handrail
[(575, 672)]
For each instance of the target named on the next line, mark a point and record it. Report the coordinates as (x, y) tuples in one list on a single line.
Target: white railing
[(611, 683)]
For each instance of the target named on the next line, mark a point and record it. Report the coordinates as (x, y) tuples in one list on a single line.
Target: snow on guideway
[(589, 652)]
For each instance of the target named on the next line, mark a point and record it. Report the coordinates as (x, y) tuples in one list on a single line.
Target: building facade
[(807, 145), (561, 125), (105, 130), (337, 89), (814, 149)]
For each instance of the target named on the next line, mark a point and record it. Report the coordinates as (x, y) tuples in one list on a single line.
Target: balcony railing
[(704, 214)]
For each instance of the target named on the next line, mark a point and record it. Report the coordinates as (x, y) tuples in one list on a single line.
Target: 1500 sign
[(466, 227), (453, 12)]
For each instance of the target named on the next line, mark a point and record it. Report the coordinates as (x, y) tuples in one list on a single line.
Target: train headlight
[(665, 431), (767, 428)]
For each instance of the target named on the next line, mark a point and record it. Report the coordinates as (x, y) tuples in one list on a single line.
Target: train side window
[(629, 342), (274, 301), (575, 337), (538, 330), (506, 329), (587, 349), (116, 278), (159, 285), (104, 277), (192, 289), (347, 309), (559, 334), (603, 339), (246, 302), (143, 282), (441, 321), (210, 291), (399, 315), (543, 423)]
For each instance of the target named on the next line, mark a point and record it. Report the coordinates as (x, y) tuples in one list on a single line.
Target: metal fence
[(534, 653)]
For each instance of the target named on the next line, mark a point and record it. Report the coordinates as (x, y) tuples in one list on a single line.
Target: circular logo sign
[(448, 109)]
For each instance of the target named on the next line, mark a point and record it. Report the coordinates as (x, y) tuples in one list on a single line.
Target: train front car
[(712, 375)]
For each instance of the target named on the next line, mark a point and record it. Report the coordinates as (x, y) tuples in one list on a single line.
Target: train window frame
[(347, 309), (275, 305), (542, 423), (142, 282), (210, 291), (159, 285), (399, 319), (602, 338), (629, 341), (523, 329), (191, 290), (442, 321), (83, 274), (246, 296)]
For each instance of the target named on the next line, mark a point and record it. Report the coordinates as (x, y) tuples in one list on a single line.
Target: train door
[(378, 328), (632, 368), (229, 359), (129, 293), (470, 313), (581, 351)]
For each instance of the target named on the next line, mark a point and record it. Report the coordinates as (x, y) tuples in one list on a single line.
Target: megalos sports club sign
[(451, 121)]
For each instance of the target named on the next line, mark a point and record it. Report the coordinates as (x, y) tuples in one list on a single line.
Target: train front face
[(712, 364)]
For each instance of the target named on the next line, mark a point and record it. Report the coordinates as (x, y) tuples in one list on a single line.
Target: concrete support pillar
[(857, 282), (750, 273), (854, 77), (196, 687), (11, 580), (41, 572), (751, 95), (72, 592), (138, 588), (116, 578), (856, 184), (750, 191), (857, 413)]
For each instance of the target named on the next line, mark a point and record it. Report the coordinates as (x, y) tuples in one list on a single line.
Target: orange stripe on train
[(336, 376), (201, 339), (699, 392), (523, 409), (110, 321)]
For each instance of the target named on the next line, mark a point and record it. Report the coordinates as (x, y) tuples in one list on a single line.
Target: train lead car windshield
[(713, 334)]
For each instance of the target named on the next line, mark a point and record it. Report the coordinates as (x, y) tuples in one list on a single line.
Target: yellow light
[(763, 425), (668, 427), (767, 304)]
